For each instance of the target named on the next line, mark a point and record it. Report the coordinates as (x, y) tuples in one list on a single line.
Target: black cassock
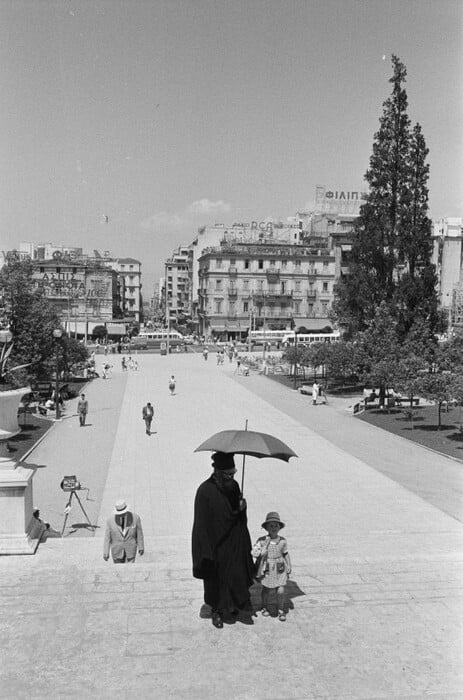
[(221, 546)]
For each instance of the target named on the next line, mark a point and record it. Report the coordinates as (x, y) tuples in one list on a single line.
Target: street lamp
[(57, 333)]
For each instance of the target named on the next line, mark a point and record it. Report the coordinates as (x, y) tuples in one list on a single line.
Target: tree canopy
[(390, 260)]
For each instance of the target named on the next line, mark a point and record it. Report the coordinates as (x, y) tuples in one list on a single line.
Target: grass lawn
[(448, 440), (31, 431)]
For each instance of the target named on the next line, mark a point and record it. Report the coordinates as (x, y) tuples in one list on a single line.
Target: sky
[(166, 116)]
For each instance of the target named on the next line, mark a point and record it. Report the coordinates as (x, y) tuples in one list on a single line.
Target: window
[(324, 307), (231, 307), (310, 309), (311, 287), (261, 265), (298, 285), (246, 285), (325, 263), (325, 286), (297, 306), (218, 284), (283, 287), (218, 305), (218, 262), (284, 264), (245, 307), (272, 263), (260, 285), (297, 263), (246, 264)]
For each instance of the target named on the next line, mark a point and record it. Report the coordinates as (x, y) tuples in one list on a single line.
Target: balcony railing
[(232, 292)]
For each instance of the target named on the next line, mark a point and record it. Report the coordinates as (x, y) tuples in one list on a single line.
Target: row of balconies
[(275, 296), (269, 271)]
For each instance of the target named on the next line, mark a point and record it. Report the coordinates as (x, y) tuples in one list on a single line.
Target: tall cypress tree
[(391, 250)]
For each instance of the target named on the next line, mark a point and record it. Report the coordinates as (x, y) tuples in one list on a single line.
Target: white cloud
[(162, 220), (205, 207)]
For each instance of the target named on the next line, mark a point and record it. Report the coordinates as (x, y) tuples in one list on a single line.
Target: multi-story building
[(129, 272), (177, 284), (84, 295), (448, 259), (127, 297), (271, 284)]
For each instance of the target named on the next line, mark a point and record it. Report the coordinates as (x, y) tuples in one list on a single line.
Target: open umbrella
[(247, 442)]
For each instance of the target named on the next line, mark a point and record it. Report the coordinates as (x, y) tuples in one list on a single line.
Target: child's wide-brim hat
[(273, 517)]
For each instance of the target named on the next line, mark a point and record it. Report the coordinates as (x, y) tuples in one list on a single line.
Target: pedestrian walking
[(315, 392), (147, 415), (273, 564), (124, 364), (172, 385), (123, 535), (82, 409), (205, 353), (221, 545)]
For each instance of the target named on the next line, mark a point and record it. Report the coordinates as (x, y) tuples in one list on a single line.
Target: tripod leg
[(67, 510), (83, 510)]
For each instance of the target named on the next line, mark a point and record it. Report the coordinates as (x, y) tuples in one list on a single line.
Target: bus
[(261, 336), (309, 338), (152, 338)]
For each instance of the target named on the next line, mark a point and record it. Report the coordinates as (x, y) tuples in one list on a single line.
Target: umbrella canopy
[(247, 442)]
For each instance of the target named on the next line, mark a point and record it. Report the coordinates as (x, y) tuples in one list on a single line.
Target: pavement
[(376, 590)]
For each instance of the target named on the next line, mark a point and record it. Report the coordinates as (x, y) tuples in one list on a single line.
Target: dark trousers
[(148, 424), (82, 417)]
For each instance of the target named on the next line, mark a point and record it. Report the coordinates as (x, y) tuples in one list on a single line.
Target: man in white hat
[(123, 535)]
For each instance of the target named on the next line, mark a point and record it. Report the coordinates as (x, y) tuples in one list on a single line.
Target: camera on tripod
[(70, 483)]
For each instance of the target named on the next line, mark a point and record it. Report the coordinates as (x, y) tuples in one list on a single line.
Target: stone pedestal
[(20, 532)]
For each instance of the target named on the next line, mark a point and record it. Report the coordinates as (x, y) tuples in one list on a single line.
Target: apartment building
[(269, 284), (177, 284)]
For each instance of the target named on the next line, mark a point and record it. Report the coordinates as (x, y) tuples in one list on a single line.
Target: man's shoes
[(217, 620)]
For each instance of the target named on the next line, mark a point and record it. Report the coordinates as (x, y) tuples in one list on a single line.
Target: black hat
[(223, 461)]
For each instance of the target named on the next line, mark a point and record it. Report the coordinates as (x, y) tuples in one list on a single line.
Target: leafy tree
[(342, 361), (100, 332), (390, 261), (438, 388), (31, 320)]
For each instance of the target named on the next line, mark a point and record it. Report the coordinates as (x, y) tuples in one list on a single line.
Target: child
[(274, 564), (172, 385)]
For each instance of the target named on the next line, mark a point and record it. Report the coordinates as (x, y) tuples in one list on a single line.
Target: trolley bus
[(309, 338), (261, 336), (153, 339)]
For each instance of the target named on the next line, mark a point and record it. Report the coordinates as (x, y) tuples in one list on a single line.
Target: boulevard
[(376, 587)]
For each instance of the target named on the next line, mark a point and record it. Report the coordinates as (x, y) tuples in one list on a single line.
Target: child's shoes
[(264, 612), (281, 616)]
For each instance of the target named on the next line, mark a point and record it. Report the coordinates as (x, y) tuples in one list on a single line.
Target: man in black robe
[(221, 545)]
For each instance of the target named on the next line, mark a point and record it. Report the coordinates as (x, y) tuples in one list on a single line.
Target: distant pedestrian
[(135, 365), (238, 365), (273, 564), (103, 371), (172, 385), (124, 535), (82, 409), (315, 392), (147, 415), (124, 364), (205, 353)]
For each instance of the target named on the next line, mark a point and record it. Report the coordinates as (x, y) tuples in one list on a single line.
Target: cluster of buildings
[(231, 279), (277, 275), (87, 290)]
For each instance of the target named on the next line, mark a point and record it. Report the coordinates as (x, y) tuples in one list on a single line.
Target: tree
[(390, 261), (31, 320)]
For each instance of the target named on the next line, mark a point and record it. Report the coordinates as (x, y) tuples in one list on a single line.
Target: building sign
[(329, 201), (61, 284)]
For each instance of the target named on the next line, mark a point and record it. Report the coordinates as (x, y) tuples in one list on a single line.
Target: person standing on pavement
[(172, 385), (205, 353), (315, 392), (82, 409), (123, 535), (274, 564), (221, 544), (147, 415)]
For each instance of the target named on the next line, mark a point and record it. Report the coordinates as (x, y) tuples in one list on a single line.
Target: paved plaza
[(376, 588)]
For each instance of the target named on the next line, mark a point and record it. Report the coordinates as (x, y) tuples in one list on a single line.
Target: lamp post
[(295, 358), (57, 333)]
